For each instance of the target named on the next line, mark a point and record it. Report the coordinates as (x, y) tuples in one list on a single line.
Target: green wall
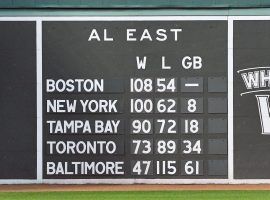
[(133, 7), (133, 3)]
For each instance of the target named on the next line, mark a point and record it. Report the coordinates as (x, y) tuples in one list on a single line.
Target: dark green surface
[(133, 3), (149, 195)]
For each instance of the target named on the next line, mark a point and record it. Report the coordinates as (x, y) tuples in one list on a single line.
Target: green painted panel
[(135, 12), (134, 3)]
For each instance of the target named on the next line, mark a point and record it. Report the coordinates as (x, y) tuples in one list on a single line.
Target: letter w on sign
[(264, 110)]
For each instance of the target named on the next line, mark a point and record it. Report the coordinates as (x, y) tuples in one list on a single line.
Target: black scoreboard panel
[(134, 99), (251, 134), (18, 100)]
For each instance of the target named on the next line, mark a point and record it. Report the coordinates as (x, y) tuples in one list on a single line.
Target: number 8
[(192, 105)]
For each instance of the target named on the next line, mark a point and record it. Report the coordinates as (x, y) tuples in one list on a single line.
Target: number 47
[(141, 167)]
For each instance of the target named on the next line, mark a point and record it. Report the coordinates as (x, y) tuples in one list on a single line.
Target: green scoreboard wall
[(133, 96)]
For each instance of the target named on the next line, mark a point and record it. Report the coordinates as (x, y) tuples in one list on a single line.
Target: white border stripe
[(39, 98), (136, 181), (230, 99), (250, 18), (117, 18)]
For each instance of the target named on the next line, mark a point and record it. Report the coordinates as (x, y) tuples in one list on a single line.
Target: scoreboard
[(135, 99)]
